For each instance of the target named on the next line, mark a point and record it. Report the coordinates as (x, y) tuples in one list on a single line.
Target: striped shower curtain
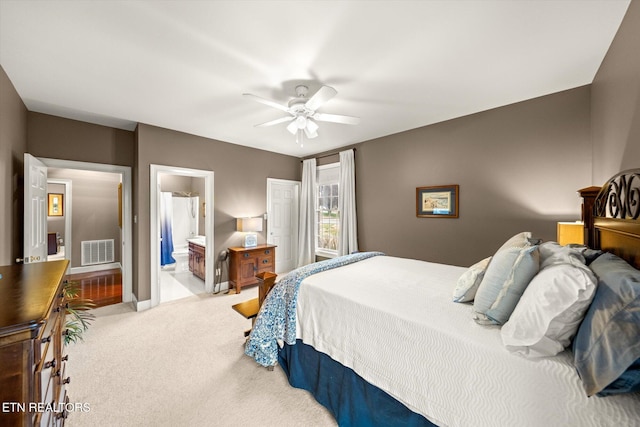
[(166, 234)]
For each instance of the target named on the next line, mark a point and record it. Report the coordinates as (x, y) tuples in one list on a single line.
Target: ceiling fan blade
[(337, 118), (267, 102), (276, 121), (320, 97)]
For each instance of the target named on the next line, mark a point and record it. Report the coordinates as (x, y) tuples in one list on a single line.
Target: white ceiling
[(397, 65)]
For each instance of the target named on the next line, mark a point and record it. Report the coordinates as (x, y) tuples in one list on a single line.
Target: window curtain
[(348, 242), (307, 235)]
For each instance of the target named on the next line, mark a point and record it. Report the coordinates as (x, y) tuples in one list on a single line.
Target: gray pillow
[(509, 272), (608, 340)]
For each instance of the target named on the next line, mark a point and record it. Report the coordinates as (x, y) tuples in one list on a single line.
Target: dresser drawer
[(46, 336), (265, 263)]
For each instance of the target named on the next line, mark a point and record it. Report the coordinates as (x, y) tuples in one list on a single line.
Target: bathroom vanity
[(197, 257)]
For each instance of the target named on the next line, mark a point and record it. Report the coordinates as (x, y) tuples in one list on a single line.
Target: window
[(327, 215)]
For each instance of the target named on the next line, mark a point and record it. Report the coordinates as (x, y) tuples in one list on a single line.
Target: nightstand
[(245, 263), (570, 232)]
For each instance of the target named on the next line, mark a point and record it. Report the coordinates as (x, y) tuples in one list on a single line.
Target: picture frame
[(56, 205), (439, 201)]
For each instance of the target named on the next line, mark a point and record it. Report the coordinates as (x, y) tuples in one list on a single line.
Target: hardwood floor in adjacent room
[(103, 287)]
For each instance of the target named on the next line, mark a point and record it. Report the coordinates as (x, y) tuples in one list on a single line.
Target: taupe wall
[(58, 138), (518, 168), (240, 184), (615, 108), (13, 144)]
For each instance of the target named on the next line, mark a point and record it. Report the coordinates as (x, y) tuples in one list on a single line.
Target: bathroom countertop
[(199, 240)]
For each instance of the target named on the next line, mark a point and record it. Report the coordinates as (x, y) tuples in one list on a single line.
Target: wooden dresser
[(245, 263), (32, 365)]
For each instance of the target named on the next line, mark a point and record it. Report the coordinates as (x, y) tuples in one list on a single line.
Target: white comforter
[(392, 320)]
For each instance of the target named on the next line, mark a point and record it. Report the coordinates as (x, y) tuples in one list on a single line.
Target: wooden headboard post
[(588, 200)]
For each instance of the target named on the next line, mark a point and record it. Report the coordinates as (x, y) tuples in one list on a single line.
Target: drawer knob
[(267, 252), (46, 339), (265, 261), (246, 255), (51, 364)]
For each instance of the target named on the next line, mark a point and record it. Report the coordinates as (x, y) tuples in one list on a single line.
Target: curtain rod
[(327, 155)]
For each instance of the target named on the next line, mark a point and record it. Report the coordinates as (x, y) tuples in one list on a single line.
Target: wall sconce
[(249, 226)]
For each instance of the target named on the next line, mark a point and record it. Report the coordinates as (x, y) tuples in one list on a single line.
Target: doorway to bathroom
[(181, 212), (180, 224)]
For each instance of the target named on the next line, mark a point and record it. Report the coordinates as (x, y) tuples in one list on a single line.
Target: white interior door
[(282, 221), (35, 210)]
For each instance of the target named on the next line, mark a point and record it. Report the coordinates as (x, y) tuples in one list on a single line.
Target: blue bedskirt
[(351, 400)]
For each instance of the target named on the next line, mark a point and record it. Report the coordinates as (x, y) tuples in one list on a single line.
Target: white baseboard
[(92, 268), (140, 305), (223, 286)]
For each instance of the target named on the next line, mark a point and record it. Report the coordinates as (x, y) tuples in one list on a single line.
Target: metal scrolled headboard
[(620, 196), (611, 216)]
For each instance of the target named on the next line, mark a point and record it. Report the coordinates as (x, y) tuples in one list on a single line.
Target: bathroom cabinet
[(196, 260), (33, 374), (245, 263)]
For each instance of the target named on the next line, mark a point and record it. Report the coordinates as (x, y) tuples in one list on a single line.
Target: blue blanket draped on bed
[(277, 317)]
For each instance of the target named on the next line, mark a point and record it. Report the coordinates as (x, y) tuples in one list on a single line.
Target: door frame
[(68, 215), (295, 230), (127, 224), (154, 224)]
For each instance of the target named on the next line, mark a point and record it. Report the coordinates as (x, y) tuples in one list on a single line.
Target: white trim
[(68, 215), (92, 268), (324, 253), (154, 225), (127, 240), (141, 305)]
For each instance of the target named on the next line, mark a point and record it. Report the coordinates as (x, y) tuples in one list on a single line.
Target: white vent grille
[(97, 252)]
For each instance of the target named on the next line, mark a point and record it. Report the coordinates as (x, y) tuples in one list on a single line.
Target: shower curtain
[(166, 234)]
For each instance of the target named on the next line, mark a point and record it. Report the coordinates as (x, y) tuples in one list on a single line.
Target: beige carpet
[(180, 364)]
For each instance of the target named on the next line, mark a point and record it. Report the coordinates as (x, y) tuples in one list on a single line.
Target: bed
[(381, 340)]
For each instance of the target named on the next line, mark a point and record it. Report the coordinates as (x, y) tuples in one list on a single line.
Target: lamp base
[(250, 240)]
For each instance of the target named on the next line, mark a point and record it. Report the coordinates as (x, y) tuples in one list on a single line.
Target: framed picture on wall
[(437, 202), (55, 204)]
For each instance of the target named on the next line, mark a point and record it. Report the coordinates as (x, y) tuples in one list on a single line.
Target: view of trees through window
[(328, 224)]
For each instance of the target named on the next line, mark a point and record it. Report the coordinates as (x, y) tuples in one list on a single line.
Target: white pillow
[(550, 311), (506, 278), (469, 282)]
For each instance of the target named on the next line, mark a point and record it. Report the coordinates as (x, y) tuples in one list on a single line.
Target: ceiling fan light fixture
[(301, 122), (309, 134), (312, 127), (293, 127), (299, 137)]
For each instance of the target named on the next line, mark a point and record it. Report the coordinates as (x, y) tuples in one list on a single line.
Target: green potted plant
[(78, 318)]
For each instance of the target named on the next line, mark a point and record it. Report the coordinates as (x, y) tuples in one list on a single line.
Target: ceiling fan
[(303, 113)]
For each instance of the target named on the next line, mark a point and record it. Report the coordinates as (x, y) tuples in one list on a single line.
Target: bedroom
[(548, 148)]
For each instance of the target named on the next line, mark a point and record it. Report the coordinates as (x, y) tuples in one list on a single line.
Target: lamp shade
[(249, 224)]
